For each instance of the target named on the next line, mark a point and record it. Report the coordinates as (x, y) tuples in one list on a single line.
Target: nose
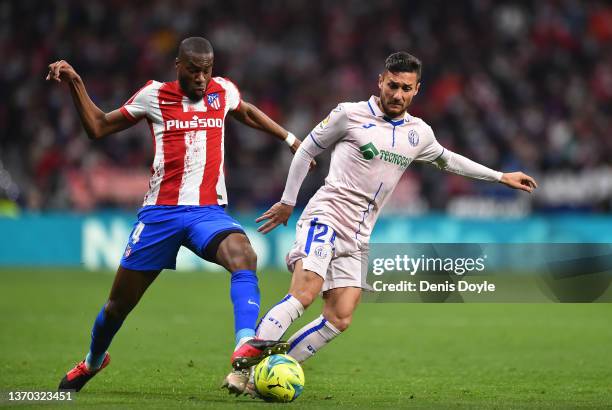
[(200, 78)]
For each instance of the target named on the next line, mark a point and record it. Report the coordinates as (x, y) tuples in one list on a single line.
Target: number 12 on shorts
[(319, 233)]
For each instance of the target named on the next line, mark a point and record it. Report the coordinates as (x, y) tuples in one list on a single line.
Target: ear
[(417, 88), (176, 62), (380, 82)]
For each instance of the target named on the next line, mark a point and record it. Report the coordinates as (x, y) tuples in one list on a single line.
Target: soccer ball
[(279, 378)]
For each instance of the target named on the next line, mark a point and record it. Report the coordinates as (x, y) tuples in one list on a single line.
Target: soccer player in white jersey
[(185, 202), (372, 143)]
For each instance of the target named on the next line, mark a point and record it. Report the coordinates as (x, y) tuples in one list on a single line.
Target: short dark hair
[(195, 45), (403, 62)]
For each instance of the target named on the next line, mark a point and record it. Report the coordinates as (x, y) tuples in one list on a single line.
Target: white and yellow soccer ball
[(279, 378)]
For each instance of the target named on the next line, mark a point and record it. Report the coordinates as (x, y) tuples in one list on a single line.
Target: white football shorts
[(341, 263)]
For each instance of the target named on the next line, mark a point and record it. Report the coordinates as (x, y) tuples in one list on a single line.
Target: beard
[(189, 92), (395, 110)]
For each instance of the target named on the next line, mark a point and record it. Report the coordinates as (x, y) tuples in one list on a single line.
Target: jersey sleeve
[(297, 173), (232, 95), (432, 149), (324, 135), (455, 163), (137, 106), (329, 131)]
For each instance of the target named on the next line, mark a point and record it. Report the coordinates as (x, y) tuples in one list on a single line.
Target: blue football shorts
[(161, 230)]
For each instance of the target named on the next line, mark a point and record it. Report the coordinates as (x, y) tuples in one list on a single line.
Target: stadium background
[(515, 85)]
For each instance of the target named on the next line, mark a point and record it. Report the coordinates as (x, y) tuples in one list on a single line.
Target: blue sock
[(244, 292), (102, 334)]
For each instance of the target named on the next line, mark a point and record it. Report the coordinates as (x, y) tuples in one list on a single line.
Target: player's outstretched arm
[(252, 116), (97, 123), (458, 164)]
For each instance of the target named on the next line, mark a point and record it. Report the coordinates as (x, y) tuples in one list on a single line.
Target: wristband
[(290, 139)]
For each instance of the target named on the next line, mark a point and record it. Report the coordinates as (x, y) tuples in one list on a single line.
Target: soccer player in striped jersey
[(372, 142), (184, 205)]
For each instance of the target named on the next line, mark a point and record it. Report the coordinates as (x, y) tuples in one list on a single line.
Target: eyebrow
[(400, 84)]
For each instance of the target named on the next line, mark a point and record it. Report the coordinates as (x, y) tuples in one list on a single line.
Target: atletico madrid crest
[(213, 101)]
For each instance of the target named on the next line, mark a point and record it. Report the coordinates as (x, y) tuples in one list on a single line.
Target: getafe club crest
[(321, 252), (413, 138), (213, 101)]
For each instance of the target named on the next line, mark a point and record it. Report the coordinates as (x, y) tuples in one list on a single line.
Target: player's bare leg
[(237, 256), (127, 290), (305, 285), (338, 307), (128, 287)]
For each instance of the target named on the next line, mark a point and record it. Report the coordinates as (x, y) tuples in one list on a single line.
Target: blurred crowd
[(513, 85)]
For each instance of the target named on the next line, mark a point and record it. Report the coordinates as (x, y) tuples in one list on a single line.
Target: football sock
[(311, 338), (278, 319), (242, 341), (102, 334), (244, 292)]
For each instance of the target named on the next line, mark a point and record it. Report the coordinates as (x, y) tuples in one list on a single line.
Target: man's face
[(397, 91), (194, 72)]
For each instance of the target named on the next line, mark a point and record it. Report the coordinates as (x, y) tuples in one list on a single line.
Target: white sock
[(311, 338), (278, 319)]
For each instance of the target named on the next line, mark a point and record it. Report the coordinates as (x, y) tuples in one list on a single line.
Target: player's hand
[(519, 180), (278, 214), (294, 149), (61, 71)]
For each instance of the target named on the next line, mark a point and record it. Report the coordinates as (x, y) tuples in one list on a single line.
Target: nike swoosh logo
[(250, 302), (366, 126), (169, 102)]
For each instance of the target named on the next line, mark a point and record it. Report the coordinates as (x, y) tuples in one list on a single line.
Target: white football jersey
[(369, 155)]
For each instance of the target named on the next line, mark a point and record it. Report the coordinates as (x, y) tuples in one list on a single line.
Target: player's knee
[(340, 322), (243, 257), (304, 296), (306, 288), (250, 257)]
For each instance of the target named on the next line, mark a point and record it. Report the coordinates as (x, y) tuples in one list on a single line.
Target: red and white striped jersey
[(188, 140)]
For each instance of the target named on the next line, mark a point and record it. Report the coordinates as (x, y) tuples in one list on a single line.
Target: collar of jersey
[(373, 105)]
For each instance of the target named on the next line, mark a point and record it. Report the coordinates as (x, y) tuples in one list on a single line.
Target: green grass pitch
[(173, 351)]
